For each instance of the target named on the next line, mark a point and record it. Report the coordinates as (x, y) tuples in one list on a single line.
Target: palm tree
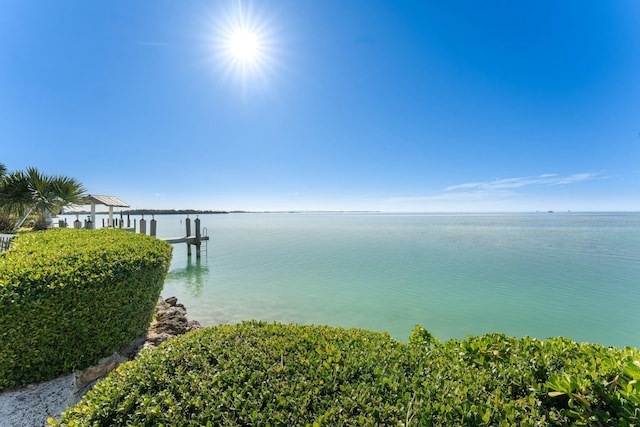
[(5, 221), (24, 192)]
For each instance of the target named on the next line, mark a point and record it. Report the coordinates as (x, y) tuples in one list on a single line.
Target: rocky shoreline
[(33, 404), (170, 321)]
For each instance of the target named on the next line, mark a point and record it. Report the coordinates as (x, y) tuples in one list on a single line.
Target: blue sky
[(352, 105)]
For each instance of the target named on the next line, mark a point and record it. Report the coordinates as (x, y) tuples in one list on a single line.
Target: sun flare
[(244, 45)]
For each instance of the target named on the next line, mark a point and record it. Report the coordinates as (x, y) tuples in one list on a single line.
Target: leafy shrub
[(70, 297), (40, 223), (498, 380), (256, 373), (6, 224)]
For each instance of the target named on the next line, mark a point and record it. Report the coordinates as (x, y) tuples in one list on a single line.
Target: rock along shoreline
[(33, 404)]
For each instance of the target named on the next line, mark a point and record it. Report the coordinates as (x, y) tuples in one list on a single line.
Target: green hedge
[(272, 374), (70, 297)]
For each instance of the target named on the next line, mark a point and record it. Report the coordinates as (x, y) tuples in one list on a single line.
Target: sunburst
[(244, 44)]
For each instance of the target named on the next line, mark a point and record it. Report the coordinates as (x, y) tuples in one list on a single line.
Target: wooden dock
[(190, 239), (186, 239)]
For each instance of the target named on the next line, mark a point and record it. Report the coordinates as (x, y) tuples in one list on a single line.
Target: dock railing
[(5, 241), (190, 239)]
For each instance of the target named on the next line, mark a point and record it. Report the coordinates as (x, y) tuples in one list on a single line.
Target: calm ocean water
[(542, 275)]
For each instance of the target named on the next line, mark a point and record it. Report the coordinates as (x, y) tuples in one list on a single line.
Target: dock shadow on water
[(193, 276)]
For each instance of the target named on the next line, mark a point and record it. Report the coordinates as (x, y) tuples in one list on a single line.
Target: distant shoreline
[(293, 211), (151, 212), (202, 212)]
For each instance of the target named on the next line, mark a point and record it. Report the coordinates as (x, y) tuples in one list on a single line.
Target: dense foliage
[(272, 374), (6, 224), (70, 297), (24, 192)]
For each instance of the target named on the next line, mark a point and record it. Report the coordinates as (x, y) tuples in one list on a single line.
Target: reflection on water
[(192, 276)]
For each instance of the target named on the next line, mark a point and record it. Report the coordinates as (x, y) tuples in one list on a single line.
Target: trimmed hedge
[(498, 380), (256, 373), (70, 297)]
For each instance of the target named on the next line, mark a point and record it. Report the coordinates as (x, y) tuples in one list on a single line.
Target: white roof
[(105, 200)]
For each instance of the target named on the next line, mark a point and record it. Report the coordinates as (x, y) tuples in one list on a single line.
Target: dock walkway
[(190, 239), (185, 239)]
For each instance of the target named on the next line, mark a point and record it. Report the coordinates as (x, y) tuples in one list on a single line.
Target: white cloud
[(544, 179), (499, 189)]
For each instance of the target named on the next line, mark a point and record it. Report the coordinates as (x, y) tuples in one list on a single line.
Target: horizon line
[(302, 211)]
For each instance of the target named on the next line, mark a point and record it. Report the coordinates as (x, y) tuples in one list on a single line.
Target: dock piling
[(195, 240), (152, 226), (143, 225)]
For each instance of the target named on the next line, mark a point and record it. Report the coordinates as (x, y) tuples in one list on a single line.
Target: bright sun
[(244, 45)]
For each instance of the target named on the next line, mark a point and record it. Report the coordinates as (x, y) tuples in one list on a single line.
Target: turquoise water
[(542, 275)]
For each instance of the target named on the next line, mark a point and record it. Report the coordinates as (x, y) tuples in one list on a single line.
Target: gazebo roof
[(98, 199)]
